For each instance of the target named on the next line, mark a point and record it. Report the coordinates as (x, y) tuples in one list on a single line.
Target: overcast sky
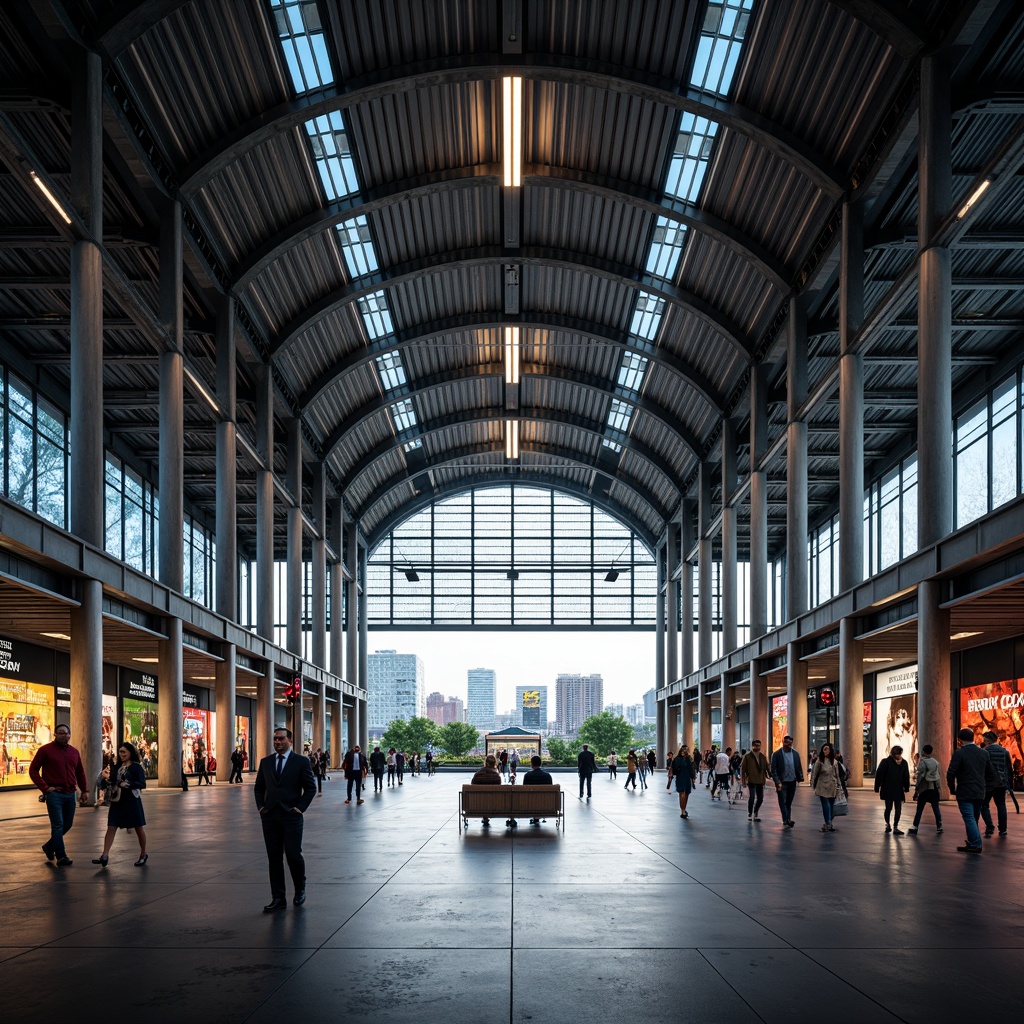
[(624, 659)]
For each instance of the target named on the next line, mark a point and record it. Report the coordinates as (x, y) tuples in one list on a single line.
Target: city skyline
[(624, 659)]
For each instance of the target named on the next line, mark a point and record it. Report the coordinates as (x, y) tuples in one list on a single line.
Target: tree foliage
[(644, 735), (563, 751), (457, 738), (606, 732), (415, 735)]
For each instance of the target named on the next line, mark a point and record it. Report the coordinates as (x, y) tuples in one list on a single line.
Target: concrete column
[(87, 471), (728, 715), (686, 591), (169, 691), (661, 731), (660, 604), (934, 309), (704, 567), (318, 575), (703, 716), (352, 721), (934, 698), (796, 691), (337, 592), (851, 700), (265, 512), (687, 723), (363, 640), (264, 716), (796, 465), (320, 717), (672, 672), (172, 430), (337, 733), (87, 679), (296, 576), (729, 568), (760, 728), (227, 498), (364, 730), (225, 692), (758, 503), (353, 602), (851, 400)]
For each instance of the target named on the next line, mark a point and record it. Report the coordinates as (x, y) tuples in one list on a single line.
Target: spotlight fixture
[(512, 574), (412, 575), (613, 575)]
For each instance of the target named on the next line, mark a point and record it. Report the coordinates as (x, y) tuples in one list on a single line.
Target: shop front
[(28, 708), (896, 712), (140, 714), (998, 707), (198, 729)]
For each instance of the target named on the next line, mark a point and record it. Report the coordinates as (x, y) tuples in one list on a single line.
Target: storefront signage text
[(902, 680), (1003, 701), (7, 661), (143, 688)]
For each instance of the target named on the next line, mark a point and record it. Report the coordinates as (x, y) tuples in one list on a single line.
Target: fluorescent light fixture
[(148, 661), (875, 661), (817, 677), (50, 197), (206, 396), (975, 196), (412, 575), (965, 635), (512, 123), (204, 677), (511, 355), (57, 636), (613, 575), (512, 439)]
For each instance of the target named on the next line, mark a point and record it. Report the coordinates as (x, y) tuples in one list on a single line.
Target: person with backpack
[(926, 790)]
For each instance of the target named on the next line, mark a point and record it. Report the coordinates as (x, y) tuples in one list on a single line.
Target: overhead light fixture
[(817, 677), (50, 197), (975, 196), (512, 122), (206, 396), (148, 661), (511, 355), (57, 636), (613, 575), (875, 661), (965, 635), (512, 574), (412, 575), (512, 440), (203, 677)]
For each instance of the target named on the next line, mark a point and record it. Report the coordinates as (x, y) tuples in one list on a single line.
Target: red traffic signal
[(293, 691), (826, 697)]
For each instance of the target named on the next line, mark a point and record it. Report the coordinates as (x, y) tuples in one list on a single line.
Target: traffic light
[(826, 697), (293, 691)]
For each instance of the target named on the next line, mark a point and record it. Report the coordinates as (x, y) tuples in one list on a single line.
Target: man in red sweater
[(57, 770)]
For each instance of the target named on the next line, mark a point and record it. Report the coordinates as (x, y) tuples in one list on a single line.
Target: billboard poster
[(197, 725), (896, 711), (780, 719), (999, 707), (242, 738), (26, 723), (109, 727), (140, 727)]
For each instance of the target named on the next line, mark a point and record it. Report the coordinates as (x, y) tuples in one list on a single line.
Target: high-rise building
[(614, 709), (396, 688), (532, 707), (481, 697), (442, 709), (577, 698), (650, 705), (636, 714)]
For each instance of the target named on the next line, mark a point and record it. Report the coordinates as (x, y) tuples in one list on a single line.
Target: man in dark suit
[(787, 770), (284, 789), (586, 766)]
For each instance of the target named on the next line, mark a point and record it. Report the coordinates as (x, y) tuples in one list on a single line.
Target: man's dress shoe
[(273, 905)]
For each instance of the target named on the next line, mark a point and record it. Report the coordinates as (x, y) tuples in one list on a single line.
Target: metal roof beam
[(900, 29), (561, 69), (422, 334), (494, 255)]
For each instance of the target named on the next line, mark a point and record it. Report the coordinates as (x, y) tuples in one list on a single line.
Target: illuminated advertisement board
[(141, 720), (26, 723), (896, 711), (531, 698), (780, 719), (197, 727), (999, 707)]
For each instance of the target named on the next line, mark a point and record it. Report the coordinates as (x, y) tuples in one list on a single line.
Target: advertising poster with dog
[(896, 711)]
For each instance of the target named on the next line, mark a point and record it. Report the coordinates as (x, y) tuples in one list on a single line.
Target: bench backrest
[(505, 799)]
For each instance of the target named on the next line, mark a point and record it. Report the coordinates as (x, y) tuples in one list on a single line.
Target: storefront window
[(26, 723)]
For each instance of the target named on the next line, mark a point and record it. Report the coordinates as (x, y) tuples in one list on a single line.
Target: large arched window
[(512, 556)]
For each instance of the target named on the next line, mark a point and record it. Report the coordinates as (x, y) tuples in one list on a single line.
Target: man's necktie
[(279, 768)]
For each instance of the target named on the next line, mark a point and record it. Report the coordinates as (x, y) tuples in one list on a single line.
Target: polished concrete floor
[(630, 913)]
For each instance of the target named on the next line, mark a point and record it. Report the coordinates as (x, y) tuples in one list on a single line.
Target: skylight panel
[(632, 370), (647, 316), (619, 416), (691, 156), (391, 370), (613, 445), (303, 44), (721, 41), (357, 246), (404, 415), (666, 248), (375, 314), (332, 154), (411, 446)]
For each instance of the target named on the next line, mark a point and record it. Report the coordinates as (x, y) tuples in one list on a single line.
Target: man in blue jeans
[(58, 772), (971, 778)]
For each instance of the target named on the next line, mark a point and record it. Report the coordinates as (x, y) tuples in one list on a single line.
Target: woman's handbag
[(113, 792), (841, 806)]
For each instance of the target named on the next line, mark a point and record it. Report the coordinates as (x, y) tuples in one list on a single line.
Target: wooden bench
[(511, 802)]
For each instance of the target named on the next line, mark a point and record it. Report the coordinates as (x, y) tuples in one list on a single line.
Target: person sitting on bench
[(487, 776), (536, 777)]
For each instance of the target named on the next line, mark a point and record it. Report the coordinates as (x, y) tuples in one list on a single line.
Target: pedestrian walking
[(754, 772), (827, 783), (124, 785), (787, 772), (684, 772), (613, 765), (971, 776), (926, 790), (1000, 758), (57, 770), (355, 767), (631, 763), (586, 766), (392, 766), (892, 783), (378, 762)]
